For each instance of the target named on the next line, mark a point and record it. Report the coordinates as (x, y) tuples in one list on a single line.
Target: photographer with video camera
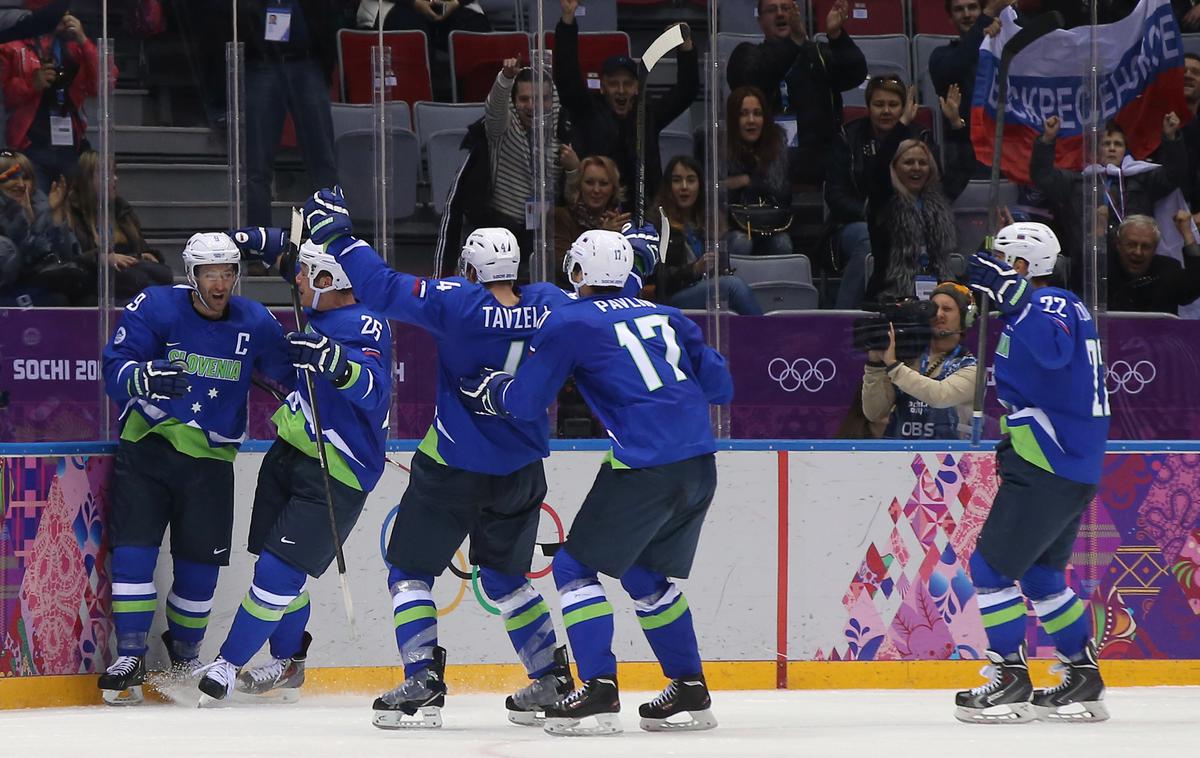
[(919, 378)]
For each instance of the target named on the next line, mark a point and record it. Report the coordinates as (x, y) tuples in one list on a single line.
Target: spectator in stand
[(686, 282), (605, 123), (508, 123), (1188, 14), (46, 81), (757, 177), (288, 63), (1190, 132), (46, 270), (1131, 187), (909, 217), (954, 64), (594, 196), (1141, 280), (846, 189), (802, 78), (434, 17), (135, 266)]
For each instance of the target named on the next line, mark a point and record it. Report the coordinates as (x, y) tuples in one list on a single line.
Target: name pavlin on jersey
[(208, 367)]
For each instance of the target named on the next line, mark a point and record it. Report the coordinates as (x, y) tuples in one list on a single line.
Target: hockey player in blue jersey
[(471, 475), (1050, 378), (649, 376), (179, 366), (348, 349)]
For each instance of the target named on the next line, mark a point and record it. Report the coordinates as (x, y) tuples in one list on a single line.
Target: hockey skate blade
[(1007, 713), (1073, 713), (606, 724), (429, 717), (693, 721), (527, 718), (128, 696)]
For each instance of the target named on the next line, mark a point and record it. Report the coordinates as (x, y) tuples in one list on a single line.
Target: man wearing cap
[(605, 122), (801, 77), (929, 396)]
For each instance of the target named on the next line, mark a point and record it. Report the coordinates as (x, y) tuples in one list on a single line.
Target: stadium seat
[(595, 48), (446, 156), (739, 17), (347, 116), (977, 195), (671, 144), (355, 153), (410, 63), (432, 118), (886, 54), (753, 269), (476, 58), (791, 296), (930, 17), (1191, 43), (866, 16), (590, 16)]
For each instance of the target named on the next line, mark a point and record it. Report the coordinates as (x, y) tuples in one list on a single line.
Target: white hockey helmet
[(604, 259), (318, 262), (208, 248), (494, 254), (1032, 241)]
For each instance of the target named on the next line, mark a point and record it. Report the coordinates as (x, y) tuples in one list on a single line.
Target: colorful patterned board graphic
[(1136, 560), (55, 590)]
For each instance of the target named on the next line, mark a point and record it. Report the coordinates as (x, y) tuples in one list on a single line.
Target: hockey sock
[(1058, 608), (414, 616), (133, 597), (526, 619), (276, 586), (1001, 605), (289, 635), (663, 612), (189, 604), (587, 615)]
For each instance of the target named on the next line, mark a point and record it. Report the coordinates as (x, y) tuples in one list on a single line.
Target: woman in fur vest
[(909, 218)]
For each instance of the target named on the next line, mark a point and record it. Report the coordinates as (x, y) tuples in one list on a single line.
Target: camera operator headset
[(929, 396)]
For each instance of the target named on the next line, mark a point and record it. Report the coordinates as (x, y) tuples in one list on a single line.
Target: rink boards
[(821, 565)]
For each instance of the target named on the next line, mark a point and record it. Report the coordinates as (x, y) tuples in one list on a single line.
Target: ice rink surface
[(812, 724)]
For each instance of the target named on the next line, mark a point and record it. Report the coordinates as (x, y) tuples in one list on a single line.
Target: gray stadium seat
[(772, 268), (446, 156), (671, 144), (348, 116), (431, 118), (741, 17), (355, 152), (791, 296)]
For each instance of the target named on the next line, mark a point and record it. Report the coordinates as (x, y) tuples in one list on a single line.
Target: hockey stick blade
[(664, 235), (666, 42)]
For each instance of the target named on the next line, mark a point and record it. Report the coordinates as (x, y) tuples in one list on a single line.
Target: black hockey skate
[(1004, 699), (599, 698), (121, 684), (217, 683), (279, 680), (527, 705), (688, 696), (178, 682), (423, 692), (1080, 695)]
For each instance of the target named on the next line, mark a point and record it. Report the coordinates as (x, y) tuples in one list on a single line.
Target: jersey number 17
[(646, 325)]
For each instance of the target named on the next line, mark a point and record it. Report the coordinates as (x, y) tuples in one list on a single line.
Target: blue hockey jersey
[(1050, 378), (354, 418), (644, 369), (472, 330), (221, 356)]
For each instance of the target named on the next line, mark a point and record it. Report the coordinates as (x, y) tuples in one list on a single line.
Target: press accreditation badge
[(279, 23), (62, 132)]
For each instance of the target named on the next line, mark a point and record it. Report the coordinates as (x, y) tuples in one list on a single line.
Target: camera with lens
[(910, 318)]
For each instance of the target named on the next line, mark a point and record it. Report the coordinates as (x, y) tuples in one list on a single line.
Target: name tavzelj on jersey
[(207, 366), (523, 317), (617, 303)]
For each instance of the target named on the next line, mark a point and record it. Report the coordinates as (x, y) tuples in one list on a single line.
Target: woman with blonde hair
[(43, 256), (593, 201), (910, 219)]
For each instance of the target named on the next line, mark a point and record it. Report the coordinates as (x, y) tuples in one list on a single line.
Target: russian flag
[(1140, 81)]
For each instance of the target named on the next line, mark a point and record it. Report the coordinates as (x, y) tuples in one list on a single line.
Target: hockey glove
[(1009, 290), (326, 216), (644, 241), (158, 380), (484, 394), (319, 354), (260, 243)]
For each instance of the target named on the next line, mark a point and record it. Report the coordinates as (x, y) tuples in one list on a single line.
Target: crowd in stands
[(888, 187)]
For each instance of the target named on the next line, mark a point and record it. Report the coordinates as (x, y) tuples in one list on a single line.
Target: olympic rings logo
[(812, 376), (467, 573), (1130, 378)]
